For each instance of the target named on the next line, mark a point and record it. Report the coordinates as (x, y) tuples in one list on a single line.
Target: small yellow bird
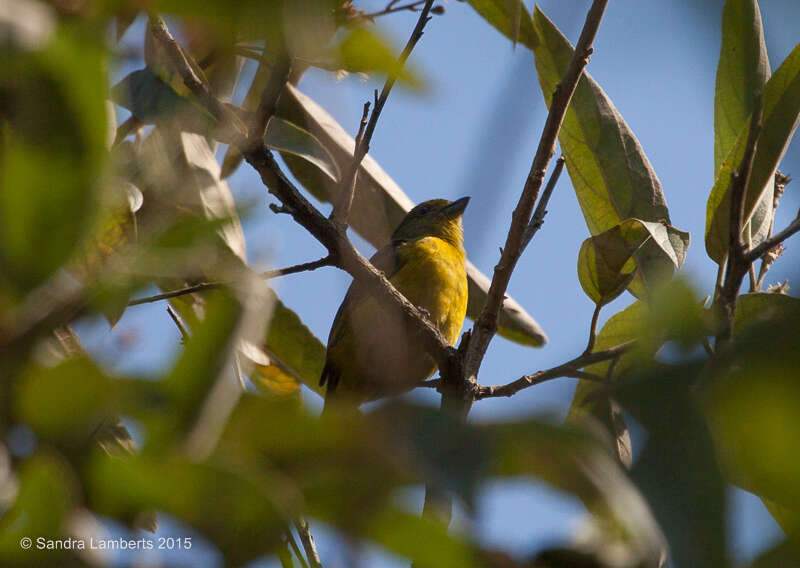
[(372, 353)]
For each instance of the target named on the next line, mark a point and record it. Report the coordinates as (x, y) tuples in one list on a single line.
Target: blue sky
[(474, 132)]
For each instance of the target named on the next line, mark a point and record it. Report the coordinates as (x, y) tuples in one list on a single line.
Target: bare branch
[(541, 209), (486, 324), (272, 91), (341, 211), (738, 263), (392, 8), (180, 61), (769, 244), (308, 543), (593, 328), (362, 148), (306, 266), (178, 323), (568, 369)]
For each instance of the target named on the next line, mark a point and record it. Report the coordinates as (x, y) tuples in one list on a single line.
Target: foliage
[(129, 204)]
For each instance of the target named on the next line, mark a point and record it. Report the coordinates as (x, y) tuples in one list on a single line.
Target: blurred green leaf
[(48, 492), (238, 511), (65, 402), (364, 50), (781, 111), (754, 409), (399, 532), (582, 465), (605, 263), (742, 70), (286, 137), (52, 150), (783, 555), (207, 351), (510, 17), (677, 469), (761, 308), (379, 205), (612, 177)]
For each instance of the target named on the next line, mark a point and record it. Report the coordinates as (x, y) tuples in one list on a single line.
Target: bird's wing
[(388, 261)]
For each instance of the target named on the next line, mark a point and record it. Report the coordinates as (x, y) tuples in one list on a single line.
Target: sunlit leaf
[(605, 263), (380, 205), (509, 17), (742, 70), (297, 356), (610, 172), (781, 111)]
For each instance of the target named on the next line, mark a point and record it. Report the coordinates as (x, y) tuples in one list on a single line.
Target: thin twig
[(362, 148), (391, 8), (486, 325), (593, 328), (308, 543), (341, 211), (777, 239), (179, 323), (568, 369), (203, 286), (541, 209), (708, 347), (295, 548), (131, 124)]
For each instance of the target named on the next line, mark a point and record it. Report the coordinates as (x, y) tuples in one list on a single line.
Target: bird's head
[(435, 218)]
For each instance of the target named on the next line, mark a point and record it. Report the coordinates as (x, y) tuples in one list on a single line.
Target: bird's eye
[(424, 209)]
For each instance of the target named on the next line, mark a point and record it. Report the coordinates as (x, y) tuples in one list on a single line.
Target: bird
[(372, 352)]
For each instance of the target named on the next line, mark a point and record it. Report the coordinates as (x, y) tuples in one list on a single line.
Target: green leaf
[(399, 532), (784, 554), (510, 17), (207, 351), (781, 112), (580, 464), (677, 469), (380, 205), (286, 137), (605, 263), (364, 50), (610, 172), (65, 402), (52, 151), (296, 355), (742, 71), (760, 308), (48, 492), (240, 512), (592, 399)]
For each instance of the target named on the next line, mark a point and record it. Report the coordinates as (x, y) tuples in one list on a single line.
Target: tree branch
[(486, 324), (308, 543), (281, 69), (341, 211), (362, 147), (757, 252), (306, 266), (738, 263), (568, 369), (541, 209), (593, 328)]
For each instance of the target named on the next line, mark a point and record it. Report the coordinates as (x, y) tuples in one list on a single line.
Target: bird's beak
[(456, 208)]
